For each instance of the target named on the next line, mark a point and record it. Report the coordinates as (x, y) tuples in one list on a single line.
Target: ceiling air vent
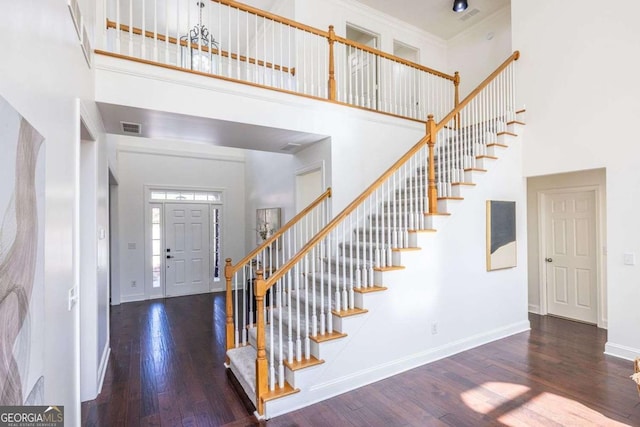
[(470, 14), (290, 147), (131, 128)]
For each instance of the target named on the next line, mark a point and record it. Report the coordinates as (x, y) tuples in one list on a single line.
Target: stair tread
[(304, 363), (280, 392)]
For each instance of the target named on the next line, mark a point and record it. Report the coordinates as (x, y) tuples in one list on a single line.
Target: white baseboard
[(370, 375), (102, 369), (132, 298), (534, 308), (621, 351)]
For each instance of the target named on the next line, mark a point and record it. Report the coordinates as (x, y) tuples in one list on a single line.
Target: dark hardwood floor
[(166, 369)]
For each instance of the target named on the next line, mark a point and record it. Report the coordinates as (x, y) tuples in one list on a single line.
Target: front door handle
[(549, 259)]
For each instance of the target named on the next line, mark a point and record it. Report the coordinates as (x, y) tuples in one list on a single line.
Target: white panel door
[(187, 249), (571, 262)]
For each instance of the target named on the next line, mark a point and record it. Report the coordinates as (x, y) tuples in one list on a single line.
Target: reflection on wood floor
[(166, 368)]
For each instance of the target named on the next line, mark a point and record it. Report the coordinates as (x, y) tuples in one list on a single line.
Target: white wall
[(338, 13), (353, 132), (94, 256), (535, 185), (271, 180), (445, 283), (270, 184), (318, 154), (477, 51), (174, 164), (576, 79), (43, 87)]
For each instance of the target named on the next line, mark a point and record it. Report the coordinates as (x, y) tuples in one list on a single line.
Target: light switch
[(630, 259)]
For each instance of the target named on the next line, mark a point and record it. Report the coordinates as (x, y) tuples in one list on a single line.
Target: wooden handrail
[(281, 231), (326, 34), (346, 211), (366, 193), (230, 270), (272, 16), (204, 48), (394, 58), (514, 57)]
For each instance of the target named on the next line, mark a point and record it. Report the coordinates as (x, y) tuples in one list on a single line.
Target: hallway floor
[(166, 368)]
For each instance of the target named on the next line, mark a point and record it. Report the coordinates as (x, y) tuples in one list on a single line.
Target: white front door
[(187, 249), (571, 261)]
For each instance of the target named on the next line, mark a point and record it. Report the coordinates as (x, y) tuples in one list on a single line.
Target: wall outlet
[(134, 284), (434, 328), (73, 298)]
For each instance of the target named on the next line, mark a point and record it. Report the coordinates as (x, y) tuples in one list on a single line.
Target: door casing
[(542, 203)]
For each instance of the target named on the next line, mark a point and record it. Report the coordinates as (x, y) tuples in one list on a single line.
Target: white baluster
[(272, 370), (280, 343), (130, 27), (289, 316), (118, 41), (298, 325), (314, 306)]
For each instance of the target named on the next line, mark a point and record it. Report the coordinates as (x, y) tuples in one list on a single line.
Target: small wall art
[(501, 235), (267, 223)]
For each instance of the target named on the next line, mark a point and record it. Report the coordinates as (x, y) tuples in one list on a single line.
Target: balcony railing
[(234, 41)]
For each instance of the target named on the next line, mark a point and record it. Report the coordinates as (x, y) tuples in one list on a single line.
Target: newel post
[(332, 66), (261, 360), (432, 191), (231, 339)]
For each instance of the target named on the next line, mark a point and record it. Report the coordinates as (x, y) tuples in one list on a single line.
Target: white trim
[(311, 167), (389, 21), (534, 308), (102, 368), (133, 298), (124, 147), (621, 351), (369, 375), (148, 204), (600, 227), (456, 39), (177, 77)]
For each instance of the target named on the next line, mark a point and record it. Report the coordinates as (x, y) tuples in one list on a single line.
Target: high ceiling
[(436, 16), (433, 16)]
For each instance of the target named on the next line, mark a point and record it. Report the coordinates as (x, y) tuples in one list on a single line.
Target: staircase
[(326, 320)]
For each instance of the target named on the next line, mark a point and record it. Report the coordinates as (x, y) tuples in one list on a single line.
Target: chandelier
[(198, 36)]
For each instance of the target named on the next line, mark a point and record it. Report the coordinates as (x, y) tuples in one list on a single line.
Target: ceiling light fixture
[(460, 5), (197, 38)]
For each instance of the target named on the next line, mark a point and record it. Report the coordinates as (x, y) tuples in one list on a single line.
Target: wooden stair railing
[(395, 224), (289, 57), (320, 203), (203, 48)]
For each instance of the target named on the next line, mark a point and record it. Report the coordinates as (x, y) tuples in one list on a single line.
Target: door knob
[(169, 256), (549, 259)]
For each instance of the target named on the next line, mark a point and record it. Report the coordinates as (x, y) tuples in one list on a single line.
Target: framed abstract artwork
[(22, 179), (501, 235)]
